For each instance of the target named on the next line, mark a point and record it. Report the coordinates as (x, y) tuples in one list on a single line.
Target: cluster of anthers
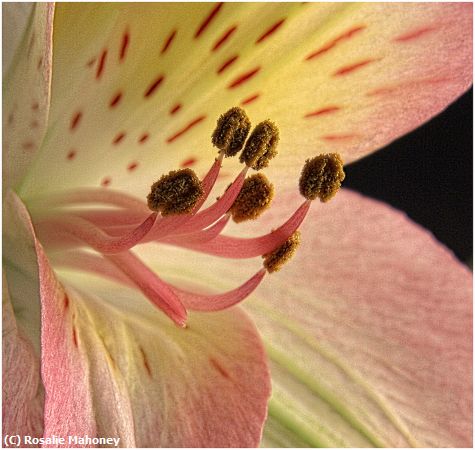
[(178, 219)]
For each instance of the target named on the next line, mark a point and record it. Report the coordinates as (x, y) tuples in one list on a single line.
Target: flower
[(367, 330)]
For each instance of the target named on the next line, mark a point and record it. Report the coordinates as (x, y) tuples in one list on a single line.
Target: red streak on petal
[(11, 118), (34, 124), (35, 106), (208, 19), (185, 129), (118, 138), (243, 78), (115, 100), (188, 162), (66, 302), (175, 109), (124, 46), (72, 154), (353, 67), (106, 181), (168, 42), (227, 34), (145, 362), (132, 166), (40, 63), (338, 137), (75, 120), (227, 64), (28, 145), (323, 111), (270, 31), (411, 35), (347, 35), (153, 87), (219, 368), (250, 99), (75, 338), (143, 138), (101, 65)]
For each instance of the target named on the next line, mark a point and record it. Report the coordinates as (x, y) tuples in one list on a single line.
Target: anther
[(254, 198), (261, 146), (175, 193), (274, 260), (321, 177), (231, 131)]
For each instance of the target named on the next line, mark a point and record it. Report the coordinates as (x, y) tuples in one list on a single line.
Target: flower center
[(111, 223)]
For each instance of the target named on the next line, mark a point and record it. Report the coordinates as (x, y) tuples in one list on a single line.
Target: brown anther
[(274, 260), (254, 198), (261, 146), (321, 177), (175, 193), (231, 131)]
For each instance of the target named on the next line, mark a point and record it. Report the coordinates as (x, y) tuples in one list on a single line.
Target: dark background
[(428, 174)]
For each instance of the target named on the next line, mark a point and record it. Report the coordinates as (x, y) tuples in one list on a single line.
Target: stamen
[(261, 146), (255, 197), (231, 131), (274, 260), (175, 193), (321, 177)]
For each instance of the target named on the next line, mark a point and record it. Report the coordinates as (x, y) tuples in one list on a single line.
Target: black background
[(428, 174)]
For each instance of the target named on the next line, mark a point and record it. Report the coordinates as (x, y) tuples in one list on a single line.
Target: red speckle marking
[(66, 302), (414, 34), (153, 87), (34, 124), (106, 181), (188, 162), (338, 137), (40, 62), (115, 100), (416, 84), (145, 362), (119, 138), (143, 138), (208, 19), (28, 145), (352, 67), (91, 62), (219, 368), (270, 31), (168, 42), (185, 129), (124, 46), (175, 109), (75, 338), (241, 79), (75, 120), (345, 36), (11, 118), (250, 99), (35, 106), (132, 166), (227, 34), (71, 154), (227, 64), (101, 65), (323, 111)]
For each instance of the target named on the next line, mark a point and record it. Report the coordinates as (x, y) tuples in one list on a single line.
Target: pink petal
[(369, 330), (27, 94)]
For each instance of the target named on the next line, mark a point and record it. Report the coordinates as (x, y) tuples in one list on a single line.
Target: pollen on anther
[(274, 260), (254, 198), (261, 146), (322, 177), (231, 131), (175, 193)]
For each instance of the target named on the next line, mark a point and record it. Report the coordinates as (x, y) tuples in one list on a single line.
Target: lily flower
[(119, 312)]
